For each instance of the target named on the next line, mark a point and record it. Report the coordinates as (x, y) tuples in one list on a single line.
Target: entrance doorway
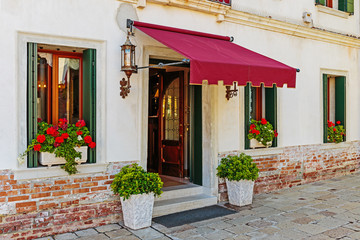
[(171, 126)]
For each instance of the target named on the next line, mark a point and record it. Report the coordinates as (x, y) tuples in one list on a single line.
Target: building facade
[(61, 59)]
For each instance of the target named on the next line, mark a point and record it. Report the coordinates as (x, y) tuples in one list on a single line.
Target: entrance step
[(180, 191), (181, 198)]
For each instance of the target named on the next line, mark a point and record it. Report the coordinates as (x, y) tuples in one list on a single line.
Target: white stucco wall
[(292, 11), (122, 129)]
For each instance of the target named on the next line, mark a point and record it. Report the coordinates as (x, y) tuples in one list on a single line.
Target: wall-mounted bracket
[(231, 92)]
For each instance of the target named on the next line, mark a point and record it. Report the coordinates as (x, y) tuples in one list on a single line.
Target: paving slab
[(147, 233), (95, 237), (86, 232), (339, 232), (65, 236), (117, 233), (323, 210), (109, 227)]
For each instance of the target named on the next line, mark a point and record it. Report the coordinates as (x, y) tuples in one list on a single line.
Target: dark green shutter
[(247, 114), (89, 96), (325, 107), (322, 2), (346, 6), (196, 134), (32, 100), (340, 100), (271, 108)]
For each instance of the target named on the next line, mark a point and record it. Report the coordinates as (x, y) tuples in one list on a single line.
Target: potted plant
[(335, 133), (137, 189), (240, 173), (261, 133), (61, 144)]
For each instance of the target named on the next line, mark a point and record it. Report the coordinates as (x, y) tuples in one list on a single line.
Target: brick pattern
[(299, 165), (40, 207)]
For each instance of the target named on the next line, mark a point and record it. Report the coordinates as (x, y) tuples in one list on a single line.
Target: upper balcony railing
[(225, 2)]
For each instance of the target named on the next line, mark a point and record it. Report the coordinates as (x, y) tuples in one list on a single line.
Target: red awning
[(215, 58)]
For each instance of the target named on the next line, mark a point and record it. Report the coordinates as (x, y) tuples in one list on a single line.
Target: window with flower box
[(260, 102), (334, 102), (60, 84), (342, 5), (226, 2)]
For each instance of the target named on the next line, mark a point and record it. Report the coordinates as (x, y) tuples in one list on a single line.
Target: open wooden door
[(171, 124)]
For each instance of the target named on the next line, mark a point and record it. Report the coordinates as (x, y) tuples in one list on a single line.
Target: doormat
[(191, 216)]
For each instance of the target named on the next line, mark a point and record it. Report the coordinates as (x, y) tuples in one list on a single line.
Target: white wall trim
[(332, 11), (256, 21), (21, 82)]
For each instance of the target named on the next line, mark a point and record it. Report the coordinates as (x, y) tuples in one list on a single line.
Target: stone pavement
[(327, 209)]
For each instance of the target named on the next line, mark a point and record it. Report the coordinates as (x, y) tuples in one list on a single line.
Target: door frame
[(209, 140)]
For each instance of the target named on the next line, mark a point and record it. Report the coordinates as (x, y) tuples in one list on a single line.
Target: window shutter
[(340, 100), (247, 114), (346, 6), (271, 108), (89, 96), (350, 6), (325, 107), (32, 101), (322, 2)]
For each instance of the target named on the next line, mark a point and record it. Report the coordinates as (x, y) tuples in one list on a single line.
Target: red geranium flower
[(275, 133), (257, 132), (334, 129), (338, 122), (50, 131), (59, 140), (80, 123), (41, 138), (37, 147), (56, 144), (39, 120), (252, 126), (87, 139), (263, 121), (65, 135), (92, 145), (79, 132)]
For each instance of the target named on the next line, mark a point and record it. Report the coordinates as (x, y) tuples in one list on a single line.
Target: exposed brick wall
[(40, 207), (297, 165)]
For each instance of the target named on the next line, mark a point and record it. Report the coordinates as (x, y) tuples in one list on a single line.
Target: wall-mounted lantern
[(127, 65)]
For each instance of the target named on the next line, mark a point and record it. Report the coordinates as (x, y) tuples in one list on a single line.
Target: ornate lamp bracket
[(231, 92), (124, 87)]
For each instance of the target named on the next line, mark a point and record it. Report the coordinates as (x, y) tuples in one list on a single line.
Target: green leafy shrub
[(262, 131), (236, 168), (133, 179)]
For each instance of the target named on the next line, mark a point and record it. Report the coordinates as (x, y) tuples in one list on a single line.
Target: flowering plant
[(262, 131), (335, 134), (61, 139)]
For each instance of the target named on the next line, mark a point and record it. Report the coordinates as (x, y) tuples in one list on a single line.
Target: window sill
[(332, 11), (264, 151), (46, 172)]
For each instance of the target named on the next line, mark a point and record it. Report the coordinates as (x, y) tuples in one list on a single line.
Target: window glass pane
[(68, 89), (43, 89), (171, 107)]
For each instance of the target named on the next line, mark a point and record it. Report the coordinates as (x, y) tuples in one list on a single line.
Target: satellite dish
[(124, 12)]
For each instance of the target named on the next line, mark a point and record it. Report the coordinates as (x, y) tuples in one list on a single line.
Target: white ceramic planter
[(137, 210), (240, 192), (256, 144), (49, 159)]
